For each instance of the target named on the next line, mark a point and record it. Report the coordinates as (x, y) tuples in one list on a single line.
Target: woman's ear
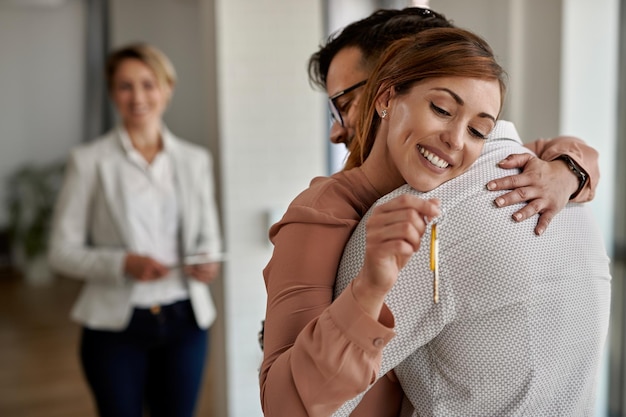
[(383, 99), (168, 91)]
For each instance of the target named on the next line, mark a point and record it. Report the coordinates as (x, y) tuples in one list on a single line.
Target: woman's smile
[(432, 158)]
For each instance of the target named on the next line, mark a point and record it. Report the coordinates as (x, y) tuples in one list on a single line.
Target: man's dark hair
[(372, 35)]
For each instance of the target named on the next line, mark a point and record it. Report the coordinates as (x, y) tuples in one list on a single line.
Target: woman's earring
[(383, 114)]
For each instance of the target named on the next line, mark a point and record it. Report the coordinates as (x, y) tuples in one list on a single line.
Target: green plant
[(31, 193)]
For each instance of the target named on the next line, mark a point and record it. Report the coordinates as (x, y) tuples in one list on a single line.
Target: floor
[(39, 370)]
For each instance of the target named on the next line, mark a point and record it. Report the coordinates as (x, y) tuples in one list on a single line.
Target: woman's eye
[(439, 110), (477, 134)]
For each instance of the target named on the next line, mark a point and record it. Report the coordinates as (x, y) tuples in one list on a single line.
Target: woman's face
[(437, 129), (137, 94)]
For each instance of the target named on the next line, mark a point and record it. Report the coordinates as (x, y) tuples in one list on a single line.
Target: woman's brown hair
[(440, 52)]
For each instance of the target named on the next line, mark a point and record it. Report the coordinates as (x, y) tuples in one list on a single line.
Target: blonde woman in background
[(137, 221)]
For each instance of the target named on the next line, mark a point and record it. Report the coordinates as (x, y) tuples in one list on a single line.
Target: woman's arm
[(338, 345), (69, 253), (318, 353), (547, 183), (205, 239), (208, 238)]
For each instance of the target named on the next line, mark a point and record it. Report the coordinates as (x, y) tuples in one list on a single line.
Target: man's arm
[(584, 156)]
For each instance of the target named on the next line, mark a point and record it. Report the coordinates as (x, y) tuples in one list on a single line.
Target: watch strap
[(576, 170)]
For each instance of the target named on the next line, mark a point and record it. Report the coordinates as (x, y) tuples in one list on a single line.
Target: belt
[(177, 309)]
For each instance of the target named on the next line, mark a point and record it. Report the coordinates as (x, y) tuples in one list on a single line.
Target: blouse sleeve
[(579, 151), (317, 353)]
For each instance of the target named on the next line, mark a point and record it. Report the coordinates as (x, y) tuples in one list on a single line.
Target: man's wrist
[(577, 170)]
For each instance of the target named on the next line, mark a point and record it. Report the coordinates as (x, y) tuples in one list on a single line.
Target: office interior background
[(243, 92)]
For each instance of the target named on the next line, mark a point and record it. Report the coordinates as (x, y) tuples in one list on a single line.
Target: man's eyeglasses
[(335, 114)]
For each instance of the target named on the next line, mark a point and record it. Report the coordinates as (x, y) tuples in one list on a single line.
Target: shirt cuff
[(358, 326)]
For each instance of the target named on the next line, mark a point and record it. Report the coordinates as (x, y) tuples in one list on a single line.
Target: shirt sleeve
[(579, 151), (318, 353)]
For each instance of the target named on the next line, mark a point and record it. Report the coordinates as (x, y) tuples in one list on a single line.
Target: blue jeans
[(156, 363)]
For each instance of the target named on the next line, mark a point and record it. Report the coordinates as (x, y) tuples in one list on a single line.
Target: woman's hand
[(545, 186), (144, 268), (203, 272), (394, 232)]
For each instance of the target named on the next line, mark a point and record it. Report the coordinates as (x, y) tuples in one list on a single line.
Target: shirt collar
[(127, 144)]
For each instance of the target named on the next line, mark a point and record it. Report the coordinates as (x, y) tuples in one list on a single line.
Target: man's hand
[(545, 186)]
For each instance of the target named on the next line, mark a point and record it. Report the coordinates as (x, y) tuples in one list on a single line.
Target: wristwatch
[(576, 170)]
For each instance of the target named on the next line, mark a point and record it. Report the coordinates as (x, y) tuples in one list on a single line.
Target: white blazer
[(89, 238)]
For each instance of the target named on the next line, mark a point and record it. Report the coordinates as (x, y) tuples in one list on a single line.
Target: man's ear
[(383, 99)]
